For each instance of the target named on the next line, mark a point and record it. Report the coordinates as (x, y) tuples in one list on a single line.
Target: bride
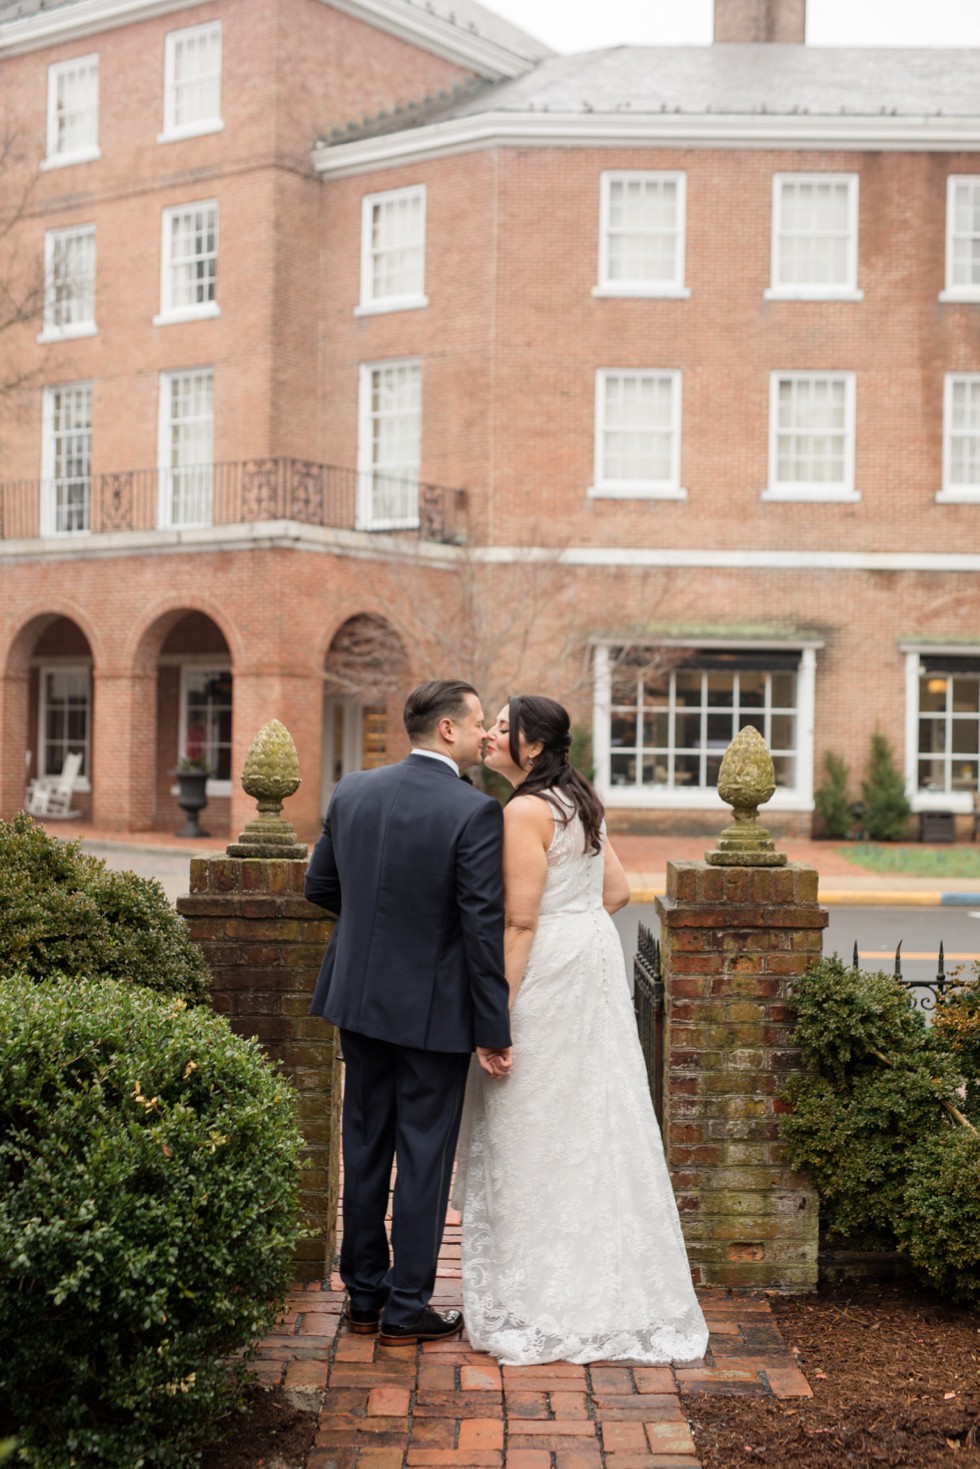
[(572, 1247)]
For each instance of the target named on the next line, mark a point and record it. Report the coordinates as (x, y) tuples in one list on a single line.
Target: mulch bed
[(895, 1372), (271, 1432)]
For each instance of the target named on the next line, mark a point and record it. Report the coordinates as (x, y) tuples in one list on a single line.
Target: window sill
[(801, 293), (212, 788), (639, 290), (66, 160), (635, 492), (812, 495), (207, 312), (959, 495), (47, 534), (383, 525), (397, 303), (964, 295), (67, 333), (960, 802), (192, 130)]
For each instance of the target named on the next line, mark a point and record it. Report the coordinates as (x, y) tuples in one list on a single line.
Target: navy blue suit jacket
[(410, 863)]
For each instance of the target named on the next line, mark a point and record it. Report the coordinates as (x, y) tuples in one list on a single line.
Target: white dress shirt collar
[(438, 755)]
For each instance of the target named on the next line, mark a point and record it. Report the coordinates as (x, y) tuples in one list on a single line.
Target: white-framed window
[(942, 745), (815, 236), (64, 718), (73, 111), (192, 82), (811, 436), (961, 437), (204, 730), (664, 717), (389, 447), (188, 262), (69, 283), (393, 250), (641, 234), (962, 238), (637, 434), (186, 453), (66, 458)]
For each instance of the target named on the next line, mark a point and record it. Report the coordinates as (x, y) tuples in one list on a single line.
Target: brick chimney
[(755, 21)]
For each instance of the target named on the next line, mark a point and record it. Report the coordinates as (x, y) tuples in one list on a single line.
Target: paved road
[(171, 869)]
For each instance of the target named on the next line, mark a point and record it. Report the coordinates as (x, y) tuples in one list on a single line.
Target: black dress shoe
[(362, 1323), (431, 1326)]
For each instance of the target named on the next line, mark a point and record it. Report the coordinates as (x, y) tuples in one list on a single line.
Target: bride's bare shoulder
[(529, 817)]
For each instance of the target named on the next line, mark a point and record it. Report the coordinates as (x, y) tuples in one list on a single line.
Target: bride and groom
[(463, 927)]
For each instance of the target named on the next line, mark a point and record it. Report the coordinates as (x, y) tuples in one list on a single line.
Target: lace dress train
[(572, 1247)]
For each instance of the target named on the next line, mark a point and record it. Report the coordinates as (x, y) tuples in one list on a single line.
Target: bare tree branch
[(21, 263)]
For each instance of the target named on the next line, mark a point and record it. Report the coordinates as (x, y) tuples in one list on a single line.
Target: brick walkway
[(443, 1404)]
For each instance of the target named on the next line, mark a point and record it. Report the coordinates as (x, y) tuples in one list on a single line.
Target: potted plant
[(192, 773)]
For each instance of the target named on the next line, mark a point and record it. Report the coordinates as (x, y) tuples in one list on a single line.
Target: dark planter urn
[(192, 798)]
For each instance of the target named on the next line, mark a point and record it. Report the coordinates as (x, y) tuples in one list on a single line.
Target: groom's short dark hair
[(441, 698)]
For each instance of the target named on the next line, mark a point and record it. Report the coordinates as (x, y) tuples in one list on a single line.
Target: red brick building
[(377, 341)]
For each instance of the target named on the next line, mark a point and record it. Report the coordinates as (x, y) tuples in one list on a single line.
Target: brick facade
[(508, 347)]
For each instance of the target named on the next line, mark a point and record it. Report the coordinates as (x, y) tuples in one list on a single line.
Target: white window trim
[(669, 290), (843, 291), (366, 468), (165, 519), (171, 132), (197, 664), (951, 494), (49, 515), (606, 489), (50, 332), (88, 154), (821, 491), (959, 802), (949, 291), (797, 798), (173, 315), (81, 783), (370, 305)]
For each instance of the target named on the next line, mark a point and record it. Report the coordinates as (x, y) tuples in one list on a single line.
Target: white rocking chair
[(49, 796)]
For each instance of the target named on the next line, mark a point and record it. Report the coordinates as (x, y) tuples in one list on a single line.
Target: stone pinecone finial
[(746, 781), (270, 774)]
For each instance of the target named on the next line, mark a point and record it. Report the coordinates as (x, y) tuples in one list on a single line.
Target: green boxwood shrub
[(873, 1118), (831, 799), (64, 912), (148, 1214), (886, 806)]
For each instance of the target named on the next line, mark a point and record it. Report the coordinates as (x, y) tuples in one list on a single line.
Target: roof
[(741, 79)]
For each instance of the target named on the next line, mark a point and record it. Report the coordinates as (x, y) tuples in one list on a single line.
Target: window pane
[(75, 118), (964, 227), (813, 241), (188, 446), (642, 243), (70, 455), (65, 711), (397, 245), (196, 69), (192, 254), (623, 729), (811, 431), (394, 448), (207, 719), (638, 435)]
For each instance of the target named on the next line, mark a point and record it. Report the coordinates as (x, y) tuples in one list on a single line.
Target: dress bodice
[(575, 872)]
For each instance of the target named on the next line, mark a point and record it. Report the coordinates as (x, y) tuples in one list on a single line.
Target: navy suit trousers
[(406, 1104)]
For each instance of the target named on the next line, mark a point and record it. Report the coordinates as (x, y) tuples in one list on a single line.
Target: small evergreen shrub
[(148, 1213), (831, 799), (880, 1121), (64, 912), (886, 806)]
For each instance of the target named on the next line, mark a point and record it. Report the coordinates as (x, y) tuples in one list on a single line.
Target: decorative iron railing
[(231, 494), (648, 1007), (935, 989)]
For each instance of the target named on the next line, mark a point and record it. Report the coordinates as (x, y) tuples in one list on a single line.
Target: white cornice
[(83, 18), (434, 33), (670, 130), (416, 25), (625, 556)]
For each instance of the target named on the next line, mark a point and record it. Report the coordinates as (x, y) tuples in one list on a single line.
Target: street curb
[(147, 848), (858, 898)]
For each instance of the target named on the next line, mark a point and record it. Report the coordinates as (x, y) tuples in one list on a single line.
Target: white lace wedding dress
[(572, 1248)]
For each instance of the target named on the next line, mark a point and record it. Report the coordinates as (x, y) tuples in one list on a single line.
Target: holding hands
[(494, 1063)]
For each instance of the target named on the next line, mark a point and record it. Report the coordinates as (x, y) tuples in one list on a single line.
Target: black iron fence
[(232, 494), (935, 988), (648, 1006)]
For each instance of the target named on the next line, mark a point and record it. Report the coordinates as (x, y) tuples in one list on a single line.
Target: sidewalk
[(444, 1404), (644, 857)]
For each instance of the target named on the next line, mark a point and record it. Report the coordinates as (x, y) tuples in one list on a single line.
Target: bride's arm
[(615, 883), (528, 829)]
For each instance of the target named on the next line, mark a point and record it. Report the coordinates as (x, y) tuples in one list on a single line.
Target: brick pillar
[(733, 940), (263, 943)]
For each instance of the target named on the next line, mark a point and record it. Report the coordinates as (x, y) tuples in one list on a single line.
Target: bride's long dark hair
[(539, 718)]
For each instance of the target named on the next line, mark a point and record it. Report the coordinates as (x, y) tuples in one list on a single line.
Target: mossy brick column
[(263, 943), (736, 931)]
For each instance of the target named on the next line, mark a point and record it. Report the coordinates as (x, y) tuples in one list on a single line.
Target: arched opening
[(194, 710), (365, 673), (52, 659)]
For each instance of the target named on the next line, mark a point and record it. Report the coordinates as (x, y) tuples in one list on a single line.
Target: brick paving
[(444, 1404)]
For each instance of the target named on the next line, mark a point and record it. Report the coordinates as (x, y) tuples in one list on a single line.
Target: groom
[(413, 977)]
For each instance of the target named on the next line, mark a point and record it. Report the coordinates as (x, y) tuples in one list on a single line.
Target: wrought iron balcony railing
[(77, 505)]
